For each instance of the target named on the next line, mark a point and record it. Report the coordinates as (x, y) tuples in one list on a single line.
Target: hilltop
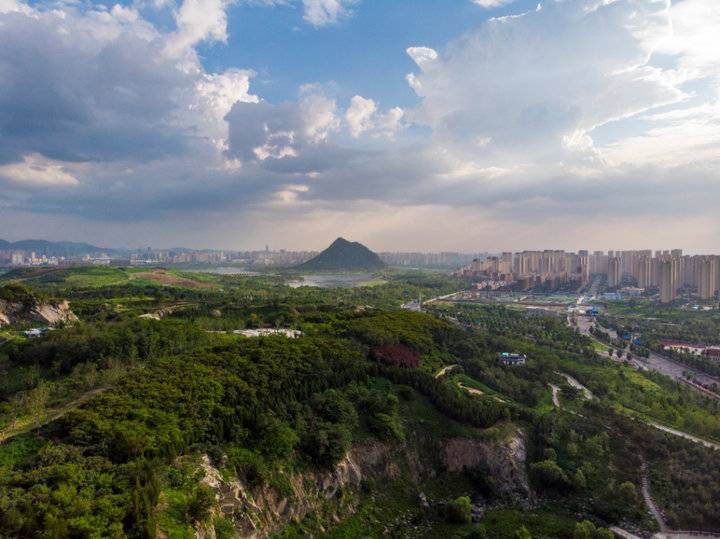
[(53, 248), (344, 255)]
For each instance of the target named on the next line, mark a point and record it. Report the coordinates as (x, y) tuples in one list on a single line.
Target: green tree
[(200, 503), (628, 494), (459, 511)]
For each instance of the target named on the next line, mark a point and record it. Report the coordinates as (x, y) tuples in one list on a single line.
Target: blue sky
[(406, 124), (364, 54)]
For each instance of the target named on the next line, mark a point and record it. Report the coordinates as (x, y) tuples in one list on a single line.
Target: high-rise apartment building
[(614, 273), (668, 279), (707, 277)]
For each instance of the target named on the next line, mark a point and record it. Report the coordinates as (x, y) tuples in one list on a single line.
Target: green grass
[(373, 282), (95, 277)]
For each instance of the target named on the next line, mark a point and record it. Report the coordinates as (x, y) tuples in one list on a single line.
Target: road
[(655, 362)]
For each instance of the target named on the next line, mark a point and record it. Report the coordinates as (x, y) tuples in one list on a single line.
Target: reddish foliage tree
[(396, 355)]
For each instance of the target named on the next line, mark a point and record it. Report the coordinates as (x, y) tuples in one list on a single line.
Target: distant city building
[(614, 273), (668, 280)]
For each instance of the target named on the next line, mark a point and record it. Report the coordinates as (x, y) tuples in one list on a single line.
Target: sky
[(409, 125)]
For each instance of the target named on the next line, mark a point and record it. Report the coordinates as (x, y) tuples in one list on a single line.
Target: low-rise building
[(511, 358)]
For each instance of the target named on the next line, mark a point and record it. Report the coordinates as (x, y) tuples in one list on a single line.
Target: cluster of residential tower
[(670, 272)]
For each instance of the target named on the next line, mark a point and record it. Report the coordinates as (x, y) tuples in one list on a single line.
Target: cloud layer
[(585, 109)]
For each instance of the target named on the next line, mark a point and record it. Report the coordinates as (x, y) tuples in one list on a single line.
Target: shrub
[(396, 355), (458, 511)]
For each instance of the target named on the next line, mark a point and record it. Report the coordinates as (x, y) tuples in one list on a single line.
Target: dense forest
[(105, 423)]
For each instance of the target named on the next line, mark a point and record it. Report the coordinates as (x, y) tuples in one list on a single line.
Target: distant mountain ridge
[(344, 255), (53, 248)]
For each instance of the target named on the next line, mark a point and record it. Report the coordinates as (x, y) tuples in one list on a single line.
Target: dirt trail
[(49, 416)]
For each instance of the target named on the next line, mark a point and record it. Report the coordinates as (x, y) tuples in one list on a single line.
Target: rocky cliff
[(259, 512), (47, 314)]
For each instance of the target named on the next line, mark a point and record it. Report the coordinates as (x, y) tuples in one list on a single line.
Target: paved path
[(657, 515), (556, 395), (623, 534), (710, 445), (442, 372), (470, 390), (577, 385)]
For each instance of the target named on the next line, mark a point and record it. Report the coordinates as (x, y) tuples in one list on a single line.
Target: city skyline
[(406, 125), (480, 250)]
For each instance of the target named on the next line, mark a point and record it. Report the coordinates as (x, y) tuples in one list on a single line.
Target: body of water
[(332, 280)]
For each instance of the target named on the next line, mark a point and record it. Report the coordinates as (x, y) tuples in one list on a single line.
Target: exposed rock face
[(504, 462), (258, 512), (44, 313)]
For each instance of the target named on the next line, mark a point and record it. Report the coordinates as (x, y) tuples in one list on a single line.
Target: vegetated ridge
[(53, 248)]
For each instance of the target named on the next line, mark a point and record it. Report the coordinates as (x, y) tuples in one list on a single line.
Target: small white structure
[(510, 358), (267, 332)]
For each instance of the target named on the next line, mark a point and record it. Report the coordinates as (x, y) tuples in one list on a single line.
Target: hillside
[(374, 422), (343, 255), (53, 248), (20, 306)]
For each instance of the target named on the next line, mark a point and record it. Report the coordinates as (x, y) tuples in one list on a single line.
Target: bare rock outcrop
[(504, 462), (259, 511), (44, 313)]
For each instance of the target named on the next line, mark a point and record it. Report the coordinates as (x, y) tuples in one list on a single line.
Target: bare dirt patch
[(170, 279)]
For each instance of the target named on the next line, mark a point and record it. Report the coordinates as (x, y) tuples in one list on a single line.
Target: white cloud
[(589, 109), (37, 171), (10, 6), (362, 116), (694, 39), (198, 20), (319, 114), (537, 85), (325, 12), (492, 3), (422, 56)]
